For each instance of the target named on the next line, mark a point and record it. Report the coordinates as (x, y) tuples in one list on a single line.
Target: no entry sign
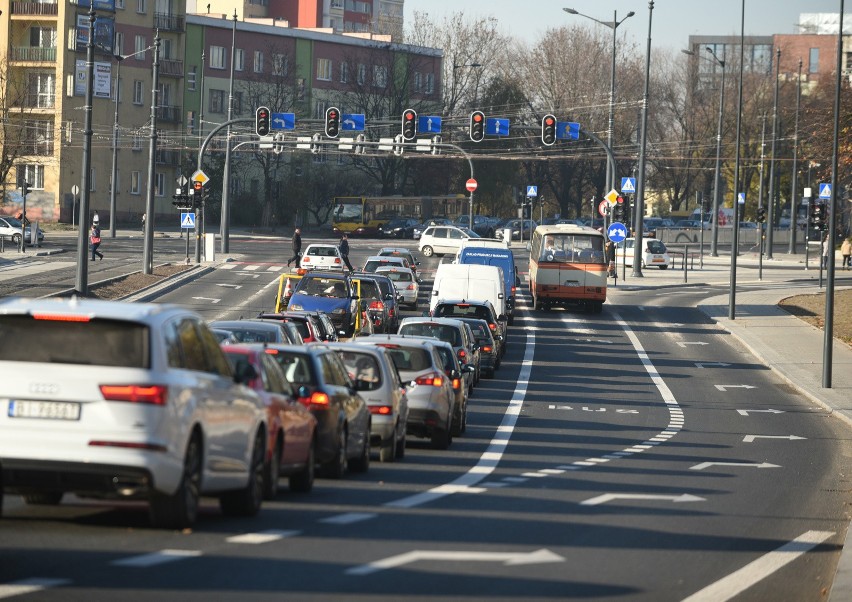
[(470, 185)]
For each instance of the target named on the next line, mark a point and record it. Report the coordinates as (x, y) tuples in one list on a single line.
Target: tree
[(20, 134)]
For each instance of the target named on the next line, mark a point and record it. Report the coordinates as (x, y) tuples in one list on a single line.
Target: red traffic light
[(549, 120), (477, 126), (548, 130), (197, 186), (409, 124), (332, 122), (477, 117), (262, 123)]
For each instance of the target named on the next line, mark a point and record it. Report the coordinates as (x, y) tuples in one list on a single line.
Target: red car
[(292, 427)]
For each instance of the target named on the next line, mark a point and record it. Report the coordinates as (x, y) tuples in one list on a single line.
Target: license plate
[(49, 410)]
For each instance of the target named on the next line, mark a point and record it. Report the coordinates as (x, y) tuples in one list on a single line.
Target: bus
[(362, 216), (567, 267)]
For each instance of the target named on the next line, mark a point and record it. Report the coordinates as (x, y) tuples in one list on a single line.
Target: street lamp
[(639, 212), (770, 217), (82, 279), (716, 192), (794, 202), (735, 242), (610, 174), (225, 224), (148, 246)]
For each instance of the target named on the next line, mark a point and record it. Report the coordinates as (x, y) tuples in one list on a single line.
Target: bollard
[(685, 255)]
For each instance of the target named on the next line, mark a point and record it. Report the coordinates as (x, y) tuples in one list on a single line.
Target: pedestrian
[(297, 248), (846, 251), (825, 251), (344, 251), (610, 259), (143, 222), (95, 239)]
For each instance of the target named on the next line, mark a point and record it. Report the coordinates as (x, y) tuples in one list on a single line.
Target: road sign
[(283, 121), (741, 198), (628, 185), (187, 220), (532, 191), (616, 232), (567, 130), (603, 208), (611, 197), (470, 185), (200, 176), (430, 124), (825, 190), (352, 122), (496, 127)]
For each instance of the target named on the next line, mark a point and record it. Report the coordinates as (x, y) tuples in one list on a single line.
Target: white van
[(471, 282)]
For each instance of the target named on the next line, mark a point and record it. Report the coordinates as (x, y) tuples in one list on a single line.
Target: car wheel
[(338, 466), (458, 421), (303, 481), (247, 501), (427, 251), (51, 498), (179, 510), (400, 447), (387, 453), (272, 471), (362, 462)]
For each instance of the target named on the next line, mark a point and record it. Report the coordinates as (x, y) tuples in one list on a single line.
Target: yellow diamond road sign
[(200, 176), (612, 197)]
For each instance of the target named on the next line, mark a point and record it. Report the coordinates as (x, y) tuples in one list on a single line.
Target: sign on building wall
[(103, 79)]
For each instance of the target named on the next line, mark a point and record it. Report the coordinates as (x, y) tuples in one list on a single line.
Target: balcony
[(37, 148), (36, 100), (171, 67), (33, 54), (168, 22), (35, 8), (169, 114)]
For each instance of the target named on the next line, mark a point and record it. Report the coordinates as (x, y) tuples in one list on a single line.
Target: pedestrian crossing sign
[(825, 190), (187, 220), (628, 185)]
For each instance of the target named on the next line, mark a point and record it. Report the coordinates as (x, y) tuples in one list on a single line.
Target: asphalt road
[(637, 454)]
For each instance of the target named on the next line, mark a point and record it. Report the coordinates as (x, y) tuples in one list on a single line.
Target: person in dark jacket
[(297, 248), (344, 251)]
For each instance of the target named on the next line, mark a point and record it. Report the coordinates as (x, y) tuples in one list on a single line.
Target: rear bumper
[(84, 479)]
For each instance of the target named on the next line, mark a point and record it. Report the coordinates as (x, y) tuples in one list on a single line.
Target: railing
[(39, 149), (171, 67), (169, 114), (34, 8), (168, 22), (33, 53), (39, 101)]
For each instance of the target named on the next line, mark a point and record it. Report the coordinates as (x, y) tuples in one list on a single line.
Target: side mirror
[(469, 368)]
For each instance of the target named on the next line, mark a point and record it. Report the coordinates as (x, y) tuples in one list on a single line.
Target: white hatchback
[(655, 255), (125, 401), (321, 257), (444, 240)]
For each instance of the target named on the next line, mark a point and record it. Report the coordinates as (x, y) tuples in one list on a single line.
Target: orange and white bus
[(568, 267)]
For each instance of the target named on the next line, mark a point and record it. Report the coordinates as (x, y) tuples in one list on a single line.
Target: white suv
[(444, 240), (125, 401)]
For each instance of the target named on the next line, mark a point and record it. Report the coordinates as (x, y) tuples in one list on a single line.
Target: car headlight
[(296, 307), (339, 311)]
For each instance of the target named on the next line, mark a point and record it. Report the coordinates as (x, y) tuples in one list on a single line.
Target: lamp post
[(148, 246), (770, 214), (82, 282), (732, 294), (794, 204), (610, 171), (226, 175), (639, 213)]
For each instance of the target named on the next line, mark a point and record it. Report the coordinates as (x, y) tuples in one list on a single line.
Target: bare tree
[(20, 134)]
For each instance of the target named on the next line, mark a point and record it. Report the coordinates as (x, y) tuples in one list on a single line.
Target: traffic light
[(409, 124), (25, 188), (548, 130), (332, 122), (477, 126), (761, 215), (527, 210), (618, 211), (262, 123), (819, 220)]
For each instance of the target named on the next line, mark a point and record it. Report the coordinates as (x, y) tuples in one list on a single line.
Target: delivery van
[(471, 282), (504, 259)]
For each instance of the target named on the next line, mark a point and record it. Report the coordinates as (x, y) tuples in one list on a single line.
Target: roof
[(111, 310)]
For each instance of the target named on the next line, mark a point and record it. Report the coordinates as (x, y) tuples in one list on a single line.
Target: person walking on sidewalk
[(825, 251), (297, 248), (95, 239), (846, 251), (344, 251)]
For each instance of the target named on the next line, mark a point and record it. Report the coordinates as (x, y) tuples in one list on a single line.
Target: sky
[(672, 21)]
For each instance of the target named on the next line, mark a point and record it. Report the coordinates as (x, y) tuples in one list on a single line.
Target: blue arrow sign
[(825, 190), (532, 191), (283, 121), (616, 232), (187, 220), (567, 130), (352, 122), (496, 127), (430, 124), (628, 185)]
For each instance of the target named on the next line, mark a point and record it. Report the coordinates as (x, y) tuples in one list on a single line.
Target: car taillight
[(456, 384), (492, 326), (410, 287), (337, 260), (381, 410), (316, 399), (391, 312), (431, 380), (60, 317), (513, 290), (305, 259), (377, 305), (462, 354), (487, 348), (152, 394)]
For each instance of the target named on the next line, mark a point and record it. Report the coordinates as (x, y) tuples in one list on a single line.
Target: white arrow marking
[(507, 558), (751, 438), (593, 341), (555, 407), (233, 286), (726, 387), (685, 343), (588, 409), (429, 124), (608, 497), (746, 412), (627, 411), (704, 465), (715, 364), (211, 299)]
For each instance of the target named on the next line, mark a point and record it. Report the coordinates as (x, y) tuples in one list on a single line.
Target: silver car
[(405, 282), (126, 401), (453, 331), (431, 399), (378, 383)]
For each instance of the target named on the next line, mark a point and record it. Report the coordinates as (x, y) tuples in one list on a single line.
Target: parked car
[(402, 227), (655, 253), (431, 399), (378, 382), (434, 221), (454, 332), (405, 282), (321, 257), (260, 331), (324, 387), (10, 227), (443, 240), (126, 401), (329, 292), (692, 223), (291, 428), (483, 225), (515, 226)]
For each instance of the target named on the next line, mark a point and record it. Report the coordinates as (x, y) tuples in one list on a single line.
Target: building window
[(813, 60), (361, 76), (160, 188), (136, 144), (39, 137), (217, 101), (430, 83), (137, 92), (324, 70), (319, 109), (141, 6), (217, 57), (135, 176), (140, 43), (191, 78), (279, 65), (380, 76), (119, 3), (119, 43), (258, 61), (418, 81), (42, 90), (239, 59), (344, 72), (33, 174)]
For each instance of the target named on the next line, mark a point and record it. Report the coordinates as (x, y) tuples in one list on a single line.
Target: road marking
[(704, 465), (348, 518), (747, 412), (685, 343), (609, 497), (751, 438), (507, 558), (155, 558), (262, 536), (726, 387), (29, 586), (742, 579), (228, 266), (236, 287), (212, 300), (714, 364)]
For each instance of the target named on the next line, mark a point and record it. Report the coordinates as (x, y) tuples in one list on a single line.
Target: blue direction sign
[(283, 121), (567, 130), (496, 127), (429, 124), (616, 232), (187, 220), (825, 190), (628, 185), (352, 122), (532, 191)]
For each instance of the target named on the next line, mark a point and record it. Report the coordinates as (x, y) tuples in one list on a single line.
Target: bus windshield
[(348, 212), (572, 248)]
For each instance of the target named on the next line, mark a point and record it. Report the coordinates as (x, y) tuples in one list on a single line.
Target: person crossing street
[(297, 248), (344, 251)]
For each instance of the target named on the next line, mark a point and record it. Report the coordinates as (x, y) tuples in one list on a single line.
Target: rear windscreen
[(442, 332), (464, 311), (415, 359), (95, 342)]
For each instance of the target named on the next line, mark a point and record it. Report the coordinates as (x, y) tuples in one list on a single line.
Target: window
[(140, 43), (319, 109), (217, 57), (430, 83), (324, 69), (119, 43), (344, 72), (380, 76), (361, 77), (813, 60), (42, 37), (239, 59), (418, 82), (217, 101), (33, 174), (141, 6), (160, 187), (39, 137), (191, 78), (136, 143), (137, 92), (279, 64), (119, 3), (42, 89), (258, 61), (135, 176)]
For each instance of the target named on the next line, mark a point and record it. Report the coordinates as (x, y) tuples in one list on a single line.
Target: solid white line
[(155, 558), (29, 586), (348, 518), (742, 579)]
